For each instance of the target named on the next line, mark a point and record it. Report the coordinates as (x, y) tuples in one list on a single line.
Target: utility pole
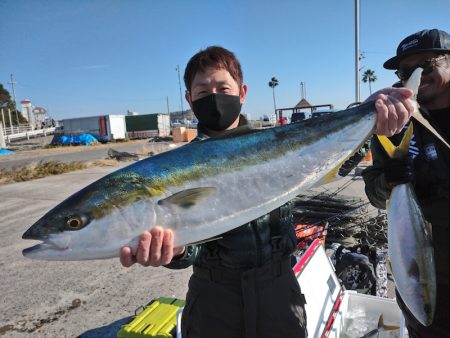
[(12, 83), (10, 122), (303, 89), (181, 95), (357, 54)]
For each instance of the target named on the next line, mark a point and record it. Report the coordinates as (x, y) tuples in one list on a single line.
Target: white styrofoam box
[(366, 309), (320, 286), (327, 305)]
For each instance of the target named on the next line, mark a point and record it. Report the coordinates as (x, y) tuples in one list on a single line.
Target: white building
[(27, 110)]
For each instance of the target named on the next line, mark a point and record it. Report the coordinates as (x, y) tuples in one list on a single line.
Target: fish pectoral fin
[(188, 198), (380, 322), (413, 269), (401, 150)]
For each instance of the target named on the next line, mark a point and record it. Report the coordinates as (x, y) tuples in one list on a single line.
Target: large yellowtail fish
[(410, 245), (202, 189)]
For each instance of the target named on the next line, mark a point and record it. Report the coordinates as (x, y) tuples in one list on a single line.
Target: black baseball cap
[(428, 40)]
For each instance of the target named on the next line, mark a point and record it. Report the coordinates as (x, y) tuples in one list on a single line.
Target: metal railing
[(25, 131), (22, 128)]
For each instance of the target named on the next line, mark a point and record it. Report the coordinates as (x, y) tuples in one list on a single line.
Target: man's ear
[(243, 93), (187, 96)]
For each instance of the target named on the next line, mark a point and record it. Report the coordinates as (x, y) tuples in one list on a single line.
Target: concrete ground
[(67, 299), (74, 299)]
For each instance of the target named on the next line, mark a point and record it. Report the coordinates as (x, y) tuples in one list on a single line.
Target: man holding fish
[(243, 284), (427, 168)]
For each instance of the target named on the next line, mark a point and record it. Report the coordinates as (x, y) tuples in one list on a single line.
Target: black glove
[(399, 171)]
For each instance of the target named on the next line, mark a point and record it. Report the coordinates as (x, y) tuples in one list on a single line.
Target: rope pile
[(349, 220)]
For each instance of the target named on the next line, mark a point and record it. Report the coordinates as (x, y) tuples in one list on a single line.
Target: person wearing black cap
[(428, 163)]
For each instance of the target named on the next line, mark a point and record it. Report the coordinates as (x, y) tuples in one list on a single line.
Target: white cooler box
[(331, 311)]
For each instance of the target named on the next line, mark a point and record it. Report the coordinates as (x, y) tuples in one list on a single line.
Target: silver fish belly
[(411, 253)]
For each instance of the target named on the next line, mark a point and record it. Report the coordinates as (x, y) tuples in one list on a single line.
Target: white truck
[(104, 127)]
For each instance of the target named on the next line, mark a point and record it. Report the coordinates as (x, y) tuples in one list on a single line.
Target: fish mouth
[(39, 248), (55, 243)]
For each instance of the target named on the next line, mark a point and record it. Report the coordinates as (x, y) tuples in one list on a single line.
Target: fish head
[(58, 229), (94, 223)]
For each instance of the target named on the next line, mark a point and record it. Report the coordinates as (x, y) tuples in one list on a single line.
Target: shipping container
[(148, 125), (104, 127)]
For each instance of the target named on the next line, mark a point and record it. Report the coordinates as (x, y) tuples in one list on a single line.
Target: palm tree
[(272, 84), (369, 76)]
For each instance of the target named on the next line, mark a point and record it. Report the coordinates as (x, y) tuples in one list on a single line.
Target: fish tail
[(400, 150)]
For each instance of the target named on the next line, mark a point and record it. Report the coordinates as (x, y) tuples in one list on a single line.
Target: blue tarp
[(6, 152), (83, 139)]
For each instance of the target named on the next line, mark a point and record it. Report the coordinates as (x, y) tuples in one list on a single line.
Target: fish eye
[(74, 222)]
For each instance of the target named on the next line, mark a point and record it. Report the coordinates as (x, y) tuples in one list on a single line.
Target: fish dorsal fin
[(241, 130), (188, 198), (401, 150)]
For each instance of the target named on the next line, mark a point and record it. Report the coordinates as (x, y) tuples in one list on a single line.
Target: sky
[(94, 57)]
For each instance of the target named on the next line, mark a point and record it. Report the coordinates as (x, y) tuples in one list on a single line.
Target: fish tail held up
[(400, 150)]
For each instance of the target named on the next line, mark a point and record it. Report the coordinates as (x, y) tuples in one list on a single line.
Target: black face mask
[(217, 111)]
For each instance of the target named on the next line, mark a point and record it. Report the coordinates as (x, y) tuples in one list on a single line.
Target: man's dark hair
[(215, 57)]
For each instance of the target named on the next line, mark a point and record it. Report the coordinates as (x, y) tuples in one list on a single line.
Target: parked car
[(298, 116)]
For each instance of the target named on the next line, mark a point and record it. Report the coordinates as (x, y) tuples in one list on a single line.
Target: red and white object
[(327, 304)]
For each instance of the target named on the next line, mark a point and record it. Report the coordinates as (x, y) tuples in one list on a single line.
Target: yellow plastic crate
[(158, 319)]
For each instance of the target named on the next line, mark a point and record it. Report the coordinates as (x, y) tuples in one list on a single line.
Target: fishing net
[(349, 223)]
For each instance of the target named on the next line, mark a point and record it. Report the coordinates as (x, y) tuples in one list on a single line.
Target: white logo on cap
[(409, 44)]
